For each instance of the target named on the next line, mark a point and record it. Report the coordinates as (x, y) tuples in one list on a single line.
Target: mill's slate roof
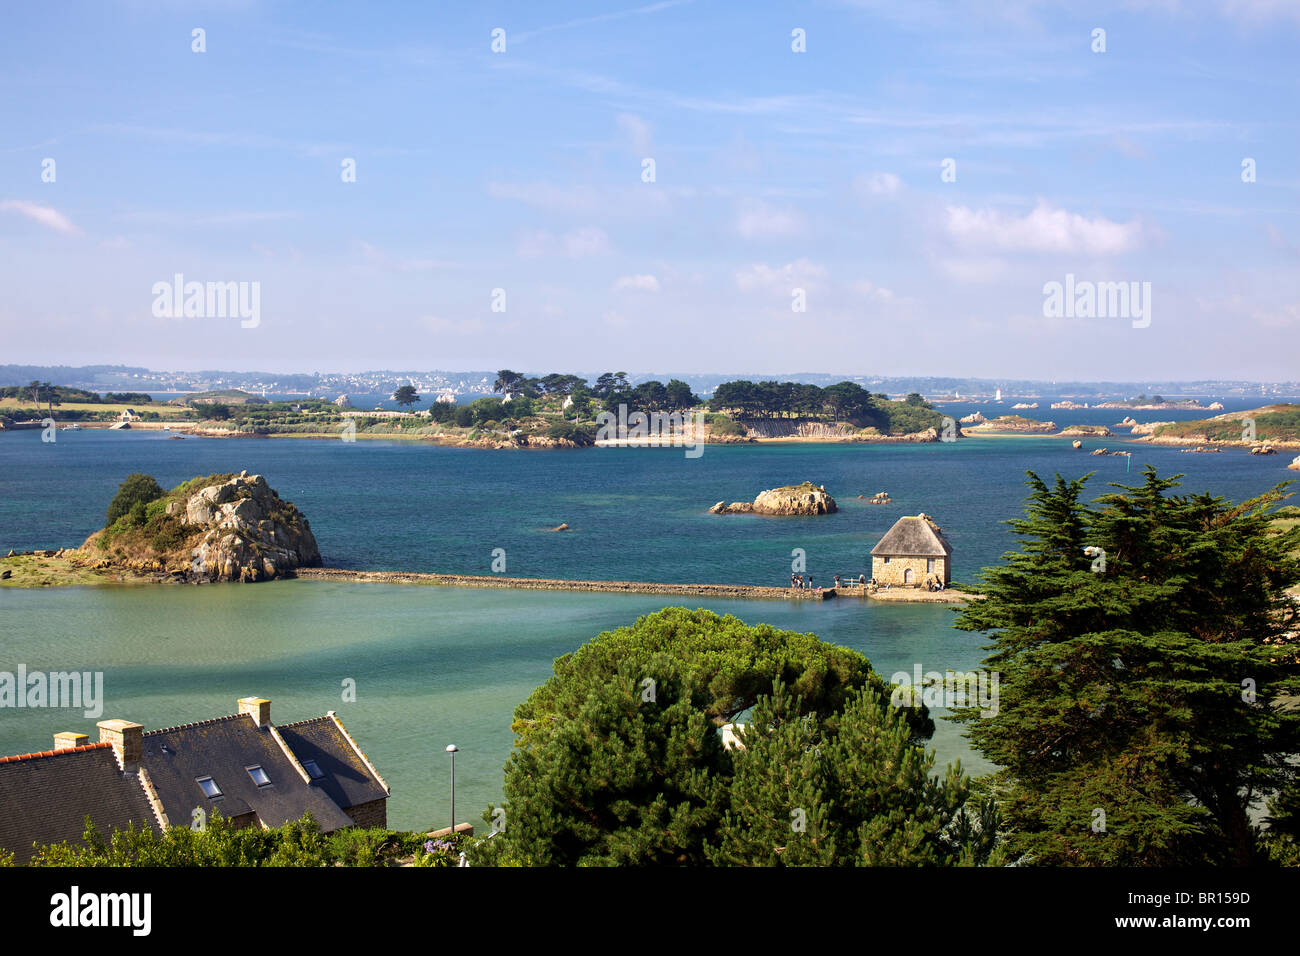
[(45, 797), (223, 748), (349, 780), (914, 536)]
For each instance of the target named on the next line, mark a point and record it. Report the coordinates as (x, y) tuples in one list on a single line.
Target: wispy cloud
[(649, 8), (637, 283), (47, 216), (379, 259), (759, 220), (576, 244), (877, 185), (762, 276)]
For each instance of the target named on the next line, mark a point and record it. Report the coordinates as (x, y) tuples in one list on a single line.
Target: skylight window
[(313, 769), (259, 776), (210, 788)]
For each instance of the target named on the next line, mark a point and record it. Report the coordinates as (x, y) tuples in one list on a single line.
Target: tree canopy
[(1146, 648), (406, 395), (618, 758)]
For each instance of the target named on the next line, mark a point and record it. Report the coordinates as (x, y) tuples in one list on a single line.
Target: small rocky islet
[(801, 499)]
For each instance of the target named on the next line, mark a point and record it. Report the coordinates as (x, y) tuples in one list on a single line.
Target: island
[(802, 499), (1016, 424), (222, 527), (1269, 426)]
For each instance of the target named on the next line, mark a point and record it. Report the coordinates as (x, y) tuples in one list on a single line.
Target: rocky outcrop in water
[(804, 499), (248, 532)]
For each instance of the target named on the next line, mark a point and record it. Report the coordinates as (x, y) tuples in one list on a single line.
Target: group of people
[(797, 581), (800, 582)]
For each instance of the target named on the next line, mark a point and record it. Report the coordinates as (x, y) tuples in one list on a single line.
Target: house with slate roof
[(45, 797), (241, 765), (912, 552)]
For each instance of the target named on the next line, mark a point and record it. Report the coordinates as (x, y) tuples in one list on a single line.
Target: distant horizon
[(1289, 388)]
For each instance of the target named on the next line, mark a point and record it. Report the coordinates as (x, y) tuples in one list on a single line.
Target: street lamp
[(451, 749)]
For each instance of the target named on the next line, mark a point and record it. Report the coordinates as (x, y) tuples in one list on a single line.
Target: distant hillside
[(226, 396)]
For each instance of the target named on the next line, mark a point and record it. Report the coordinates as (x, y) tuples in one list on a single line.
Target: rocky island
[(222, 527), (1015, 424), (803, 499)]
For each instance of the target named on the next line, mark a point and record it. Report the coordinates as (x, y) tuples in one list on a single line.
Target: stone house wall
[(893, 572), (372, 814)]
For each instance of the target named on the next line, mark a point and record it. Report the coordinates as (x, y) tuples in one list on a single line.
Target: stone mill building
[(913, 551)]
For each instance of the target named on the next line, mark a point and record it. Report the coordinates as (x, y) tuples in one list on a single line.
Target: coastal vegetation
[(296, 843), (221, 527), (746, 401), (552, 410), (1273, 423), (1149, 671), (619, 758)]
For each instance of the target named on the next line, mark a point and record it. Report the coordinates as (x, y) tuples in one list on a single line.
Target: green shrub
[(722, 425), (571, 432), (137, 488)]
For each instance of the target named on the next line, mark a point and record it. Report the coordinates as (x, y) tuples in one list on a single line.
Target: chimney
[(259, 708), (67, 740), (127, 739)]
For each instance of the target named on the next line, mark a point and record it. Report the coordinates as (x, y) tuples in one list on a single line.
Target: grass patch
[(30, 571)]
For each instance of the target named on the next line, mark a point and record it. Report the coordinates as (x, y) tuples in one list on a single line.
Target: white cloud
[(637, 132), (638, 283), (380, 259), (1283, 317), (974, 269), (878, 184), (574, 199), (577, 244), (46, 216), (869, 289), (761, 276), (1046, 229), (758, 220)]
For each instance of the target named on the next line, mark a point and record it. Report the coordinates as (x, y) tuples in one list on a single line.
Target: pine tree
[(618, 758), (1140, 681), (846, 789)]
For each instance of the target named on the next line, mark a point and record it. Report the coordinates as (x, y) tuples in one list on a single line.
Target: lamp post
[(451, 749)]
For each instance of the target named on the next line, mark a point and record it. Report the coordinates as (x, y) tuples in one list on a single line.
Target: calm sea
[(434, 666)]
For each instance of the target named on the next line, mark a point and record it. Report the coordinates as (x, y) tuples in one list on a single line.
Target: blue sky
[(775, 170)]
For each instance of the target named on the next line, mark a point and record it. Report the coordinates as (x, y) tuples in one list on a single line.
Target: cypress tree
[(1139, 715)]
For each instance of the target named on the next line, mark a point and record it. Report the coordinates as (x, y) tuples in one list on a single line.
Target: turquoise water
[(434, 666)]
